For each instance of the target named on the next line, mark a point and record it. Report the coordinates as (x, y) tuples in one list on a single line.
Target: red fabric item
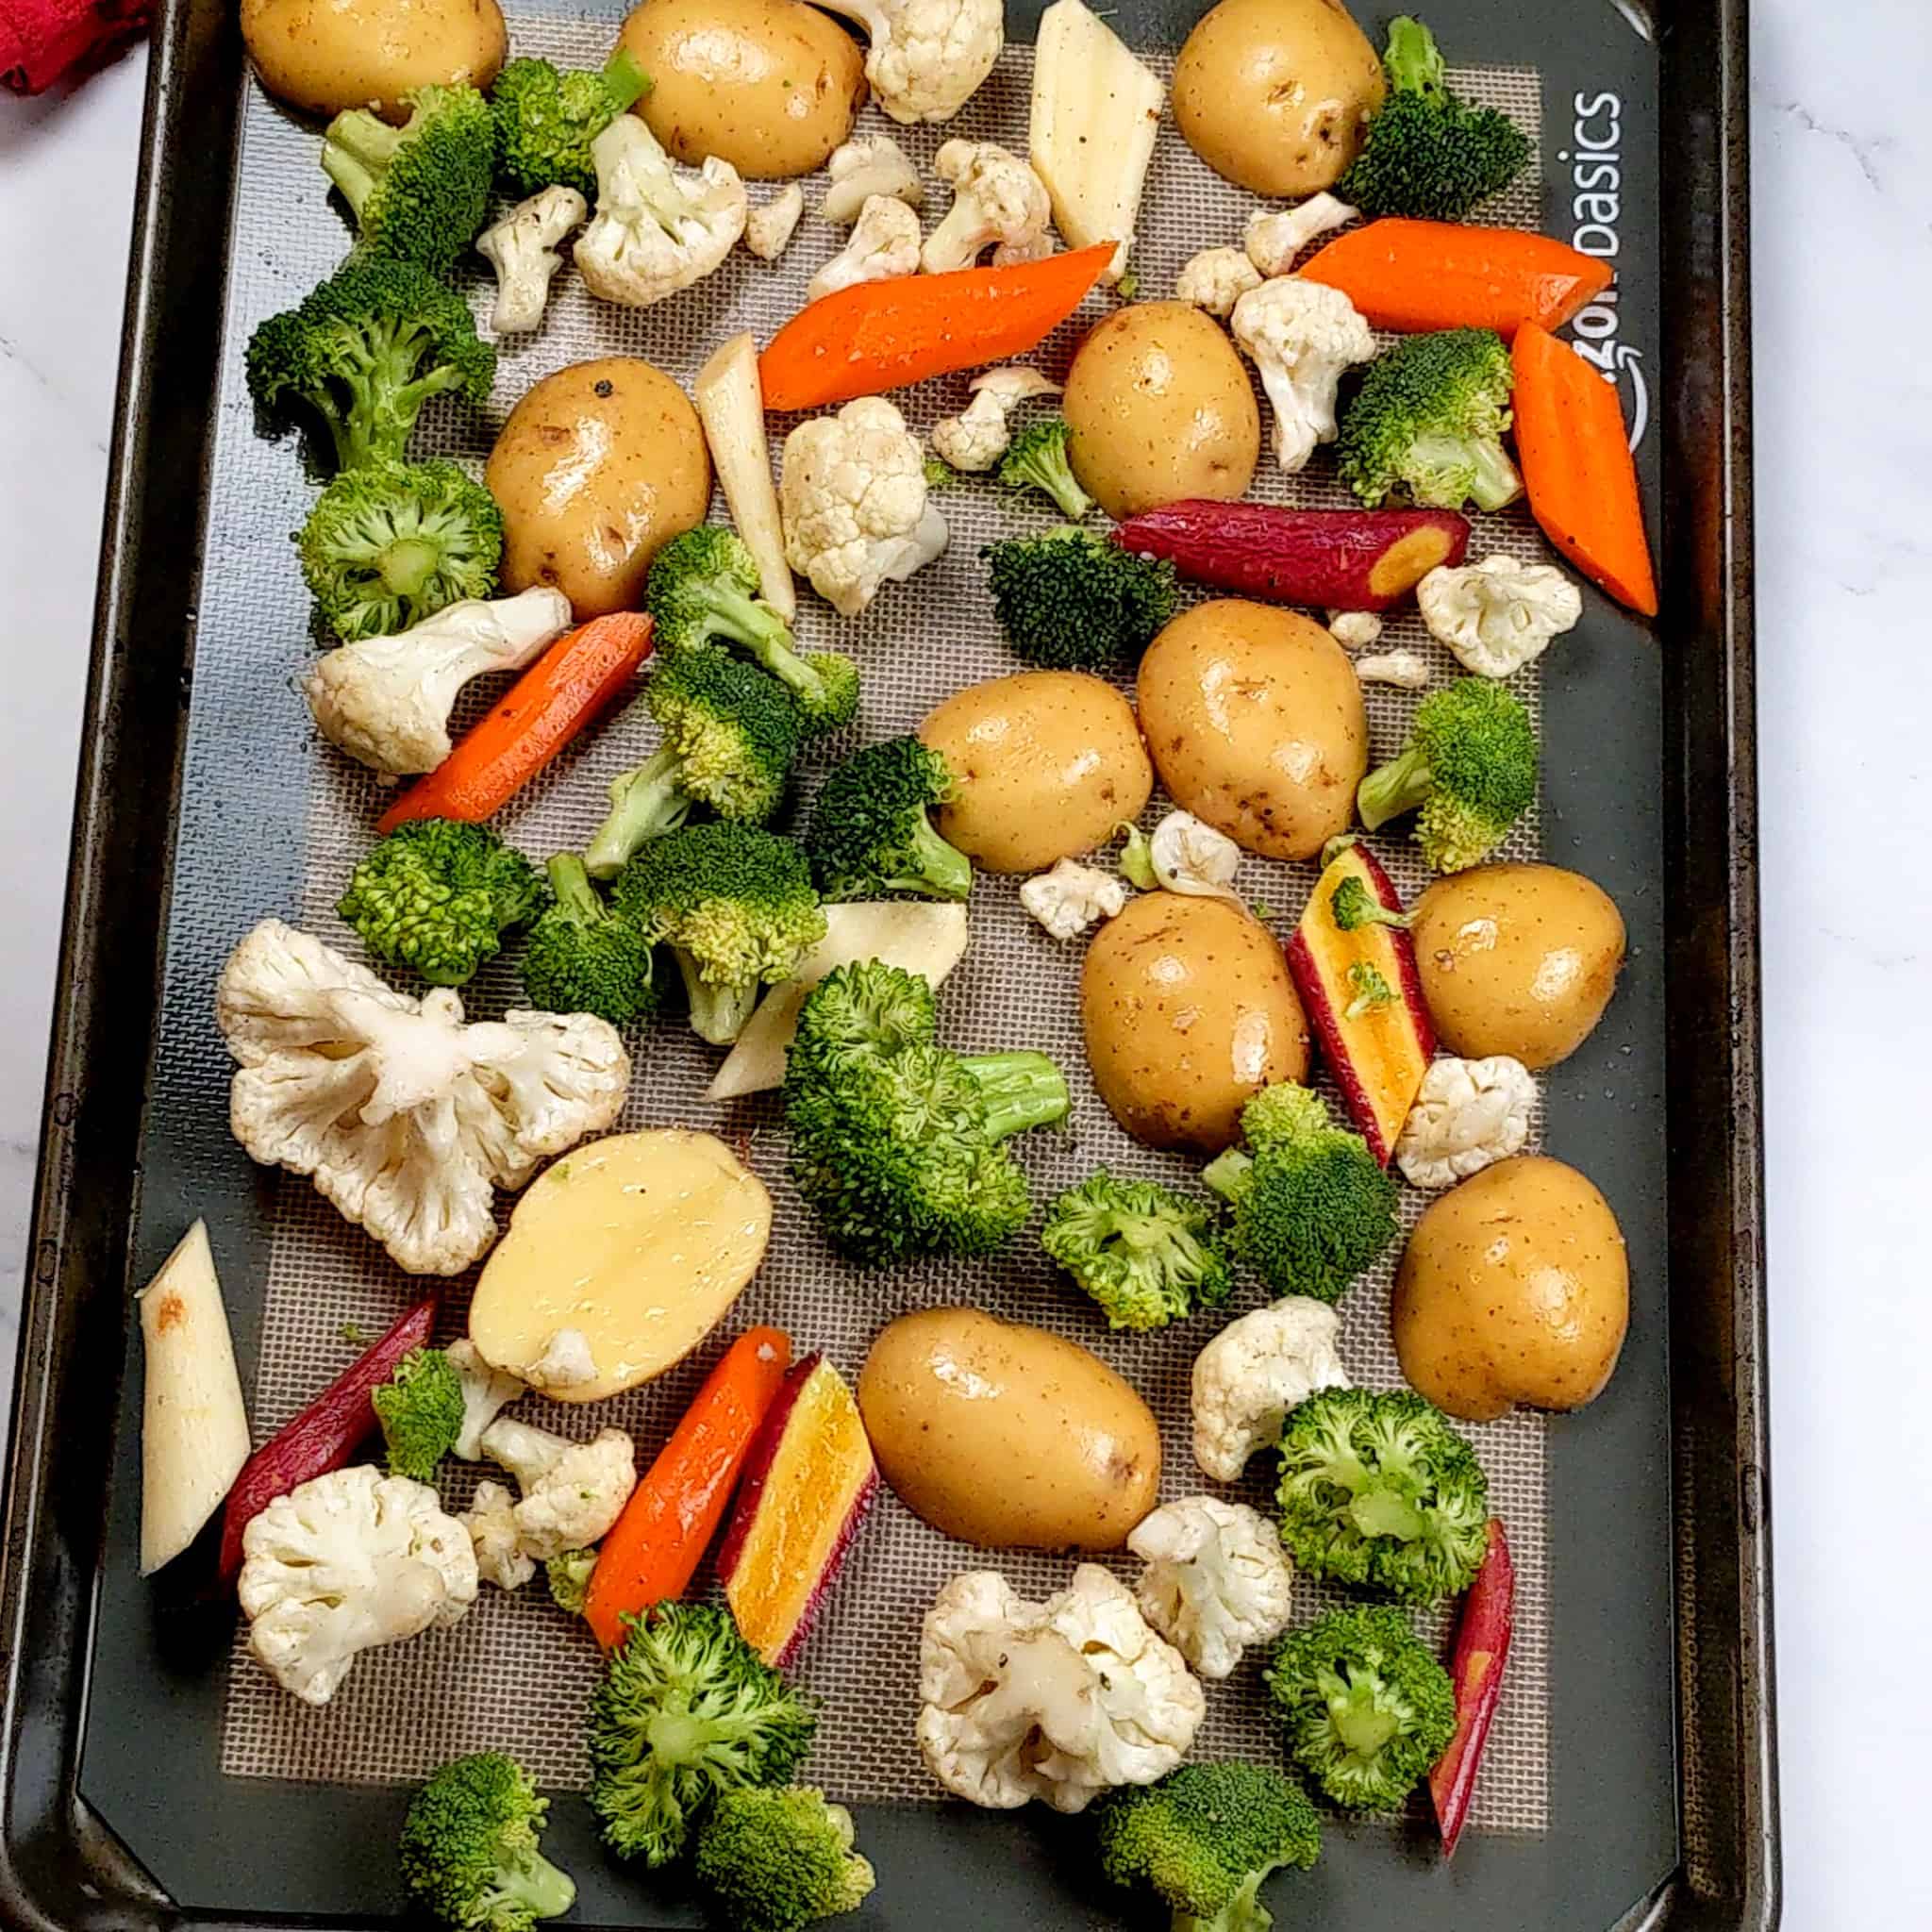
[(43, 40)]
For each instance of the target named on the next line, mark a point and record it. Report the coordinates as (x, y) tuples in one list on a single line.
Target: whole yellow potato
[(1515, 1287), (1274, 94), (1006, 1436), (1045, 764), (325, 56), (1188, 1012), (1517, 959), (1159, 407), (1254, 718), (599, 466), (770, 86)]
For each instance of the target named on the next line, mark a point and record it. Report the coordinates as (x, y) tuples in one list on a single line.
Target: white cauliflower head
[(884, 246), (1217, 1580), (1405, 670), (1216, 279), (492, 1522), (657, 229), (1467, 1115), (1275, 236), (1070, 897), (852, 490), (998, 203), (770, 226), (1191, 858), (343, 1563), (872, 164), (522, 248), (486, 1392), (979, 436), (405, 1118), (386, 701), (1254, 1372), (1498, 615), (1302, 336), (572, 1492), (1057, 1701), (928, 58), (1355, 630)]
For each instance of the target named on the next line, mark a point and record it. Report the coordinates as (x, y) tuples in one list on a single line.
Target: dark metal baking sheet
[(1662, 1813)]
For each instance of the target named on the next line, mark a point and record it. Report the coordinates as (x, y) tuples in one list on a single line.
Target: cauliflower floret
[(1406, 670), (1275, 238), (978, 436), (1216, 279), (405, 1118), (1498, 615), (386, 701), (345, 1562), (872, 164), (486, 1392), (884, 246), (1253, 1372), (522, 248), (657, 229), (566, 1362), (1302, 336), (1355, 630), (770, 226), (928, 58), (852, 488), (1191, 858), (996, 199), (572, 1492), (1467, 1114), (1217, 1580), (1070, 897), (491, 1521), (1057, 1701)]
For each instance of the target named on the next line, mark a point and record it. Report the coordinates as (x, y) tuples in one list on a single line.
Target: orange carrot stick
[(1577, 468), (577, 678), (880, 336), (1414, 276), (655, 1547)]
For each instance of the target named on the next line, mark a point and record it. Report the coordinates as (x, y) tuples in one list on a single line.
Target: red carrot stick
[(1482, 1648)]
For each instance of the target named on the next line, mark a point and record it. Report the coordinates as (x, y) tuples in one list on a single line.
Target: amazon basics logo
[(1595, 160)]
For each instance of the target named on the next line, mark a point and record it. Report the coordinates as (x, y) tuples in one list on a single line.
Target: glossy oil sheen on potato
[(1188, 1012), (1006, 1436), (326, 55)]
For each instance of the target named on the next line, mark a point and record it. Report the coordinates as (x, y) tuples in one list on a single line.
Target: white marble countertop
[(1842, 154)]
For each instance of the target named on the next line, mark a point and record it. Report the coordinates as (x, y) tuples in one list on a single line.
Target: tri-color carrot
[(1475, 1669)]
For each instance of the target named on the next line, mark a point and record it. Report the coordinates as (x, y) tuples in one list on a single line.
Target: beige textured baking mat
[(516, 1673)]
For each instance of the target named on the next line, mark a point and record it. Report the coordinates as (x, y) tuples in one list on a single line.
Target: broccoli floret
[(1145, 1254), (1038, 461), (1371, 988), (436, 895), (1311, 1208), (1071, 601), (421, 1410), (736, 909), (730, 734), (1205, 1837), (420, 192), (471, 1848), (774, 1860), (1377, 1490), (1470, 764), (547, 118), (365, 350), (583, 957), (1426, 425), (1353, 907), (871, 835), (940, 474), (687, 1710), (1367, 1707), (895, 1141), (1427, 153), (392, 544), (569, 1577), (702, 591)]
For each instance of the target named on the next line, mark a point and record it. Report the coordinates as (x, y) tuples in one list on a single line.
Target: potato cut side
[(636, 1244)]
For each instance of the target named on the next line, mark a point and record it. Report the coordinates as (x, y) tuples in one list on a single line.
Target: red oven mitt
[(41, 40)]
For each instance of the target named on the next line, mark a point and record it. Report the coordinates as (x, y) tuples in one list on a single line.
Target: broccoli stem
[(718, 1012), (763, 632), (1381, 1511), (406, 564), (1359, 1722), (1051, 472), (941, 870), (1227, 1173), (1020, 1091), (1414, 63), (1395, 788), (571, 885), (537, 1886), (357, 152), (624, 81), (646, 803), (1495, 482)]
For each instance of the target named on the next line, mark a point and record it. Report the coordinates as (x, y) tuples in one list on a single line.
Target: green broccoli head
[(1471, 767), (1367, 1707), (736, 909), (547, 118), (702, 594), (392, 544), (364, 351), (1379, 1491), (1427, 153), (686, 1711), (1426, 425), (436, 895), (1145, 1254), (1205, 1837), (1352, 906), (569, 1577), (582, 958), (1071, 601), (471, 1848), (1036, 459), (421, 1410), (420, 192), (776, 1860), (1312, 1208), (1370, 987), (872, 835)]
